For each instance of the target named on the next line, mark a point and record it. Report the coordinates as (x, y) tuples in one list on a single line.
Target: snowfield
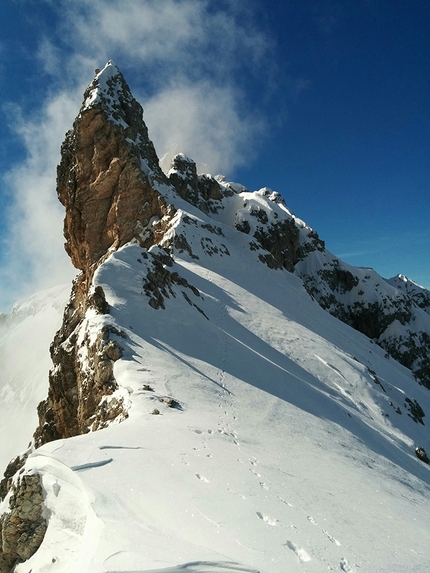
[(25, 336), (281, 453)]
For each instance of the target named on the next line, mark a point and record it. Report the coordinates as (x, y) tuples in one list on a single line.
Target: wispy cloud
[(34, 257), (187, 61), (203, 122)]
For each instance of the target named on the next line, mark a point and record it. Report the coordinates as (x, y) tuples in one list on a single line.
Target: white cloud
[(35, 257), (187, 62), (191, 38), (201, 120)]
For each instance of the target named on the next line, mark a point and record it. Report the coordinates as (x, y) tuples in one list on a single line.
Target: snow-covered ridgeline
[(258, 433)]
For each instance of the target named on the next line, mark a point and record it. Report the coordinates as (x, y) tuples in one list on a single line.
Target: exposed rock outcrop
[(12, 467), (160, 280), (23, 527), (109, 182), (108, 172), (203, 191), (272, 231), (82, 392)]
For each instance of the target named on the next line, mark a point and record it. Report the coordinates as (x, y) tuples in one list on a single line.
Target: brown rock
[(23, 527), (107, 181), (107, 195)]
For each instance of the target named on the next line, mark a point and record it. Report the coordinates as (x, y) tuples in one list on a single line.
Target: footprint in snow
[(344, 565), (312, 520), (56, 487), (285, 501), (202, 478), (299, 551), (267, 519), (263, 485), (331, 538)]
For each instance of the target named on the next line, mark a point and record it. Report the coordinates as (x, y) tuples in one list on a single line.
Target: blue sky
[(324, 101)]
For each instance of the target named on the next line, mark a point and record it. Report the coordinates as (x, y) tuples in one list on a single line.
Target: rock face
[(280, 238), (203, 191), (23, 527), (103, 179), (394, 313), (82, 386), (108, 181)]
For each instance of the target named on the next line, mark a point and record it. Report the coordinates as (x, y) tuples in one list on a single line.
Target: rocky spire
[(111, 185), (108, 173)]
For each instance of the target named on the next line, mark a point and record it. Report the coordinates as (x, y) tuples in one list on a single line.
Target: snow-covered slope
[(288, 446), (395, 313), (245, 428), (25, 336)]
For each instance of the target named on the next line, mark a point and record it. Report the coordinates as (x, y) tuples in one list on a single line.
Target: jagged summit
[(107, 172), (110, 92), (408, 285)]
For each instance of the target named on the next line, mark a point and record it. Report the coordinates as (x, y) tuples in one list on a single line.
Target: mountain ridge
[(190, 335)]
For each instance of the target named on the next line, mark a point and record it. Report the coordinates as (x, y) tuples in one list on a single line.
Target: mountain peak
[(110, 91), (108, 171)]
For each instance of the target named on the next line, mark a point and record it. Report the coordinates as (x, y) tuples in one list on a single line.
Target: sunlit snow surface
[(25, 336), (283, 454)]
